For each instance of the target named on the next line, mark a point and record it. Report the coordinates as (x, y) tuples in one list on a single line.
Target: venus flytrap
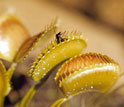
[(72, 44), (12, 35), (82, 73), (64, 47), (19, 49), (86, 73), (42, 39)]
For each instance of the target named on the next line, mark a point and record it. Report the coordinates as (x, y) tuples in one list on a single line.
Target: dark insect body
[(59, 38)]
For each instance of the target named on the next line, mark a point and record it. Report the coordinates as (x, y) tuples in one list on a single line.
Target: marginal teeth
[(85, 60), (55, 23), (34, 40), (71, 36), (66, 37)]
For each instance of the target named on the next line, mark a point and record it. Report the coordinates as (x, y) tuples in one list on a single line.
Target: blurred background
[(100, 21)]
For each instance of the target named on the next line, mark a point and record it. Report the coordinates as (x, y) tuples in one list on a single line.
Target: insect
[(85, 73), (59, 38)]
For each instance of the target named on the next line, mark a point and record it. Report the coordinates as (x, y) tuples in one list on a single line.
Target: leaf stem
[(29, 95), (11, 70), (1, 101), (59, 102)]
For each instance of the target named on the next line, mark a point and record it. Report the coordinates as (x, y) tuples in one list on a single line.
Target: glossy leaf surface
[(12, 36), (71, 45), (88, 72)]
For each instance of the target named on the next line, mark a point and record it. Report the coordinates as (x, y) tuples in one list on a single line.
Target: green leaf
[(4, 83)]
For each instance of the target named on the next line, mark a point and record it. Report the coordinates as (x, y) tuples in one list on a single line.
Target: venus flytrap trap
[(12, 35), (65, 46), (81, 73), (19, 43), (45, 38), (85, 73), (42, 39), (55, 53)]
